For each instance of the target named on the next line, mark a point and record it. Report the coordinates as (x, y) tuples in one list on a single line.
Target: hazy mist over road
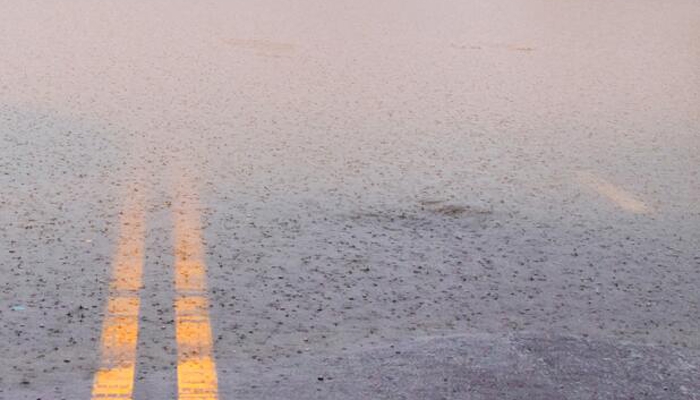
[(447, 199)]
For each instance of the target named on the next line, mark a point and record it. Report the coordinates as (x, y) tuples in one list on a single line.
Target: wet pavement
[(399, 200)]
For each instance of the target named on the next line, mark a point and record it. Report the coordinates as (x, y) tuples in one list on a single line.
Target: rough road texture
[(371, 174), (484, 368)]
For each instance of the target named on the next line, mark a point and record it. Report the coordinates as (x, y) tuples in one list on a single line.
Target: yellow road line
[(115, 377), (196, 368), (616, 194)]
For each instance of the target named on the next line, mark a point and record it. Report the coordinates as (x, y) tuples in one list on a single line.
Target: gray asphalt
[(448, 199)]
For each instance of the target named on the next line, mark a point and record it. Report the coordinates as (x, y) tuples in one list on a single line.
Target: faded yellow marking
[(115, 377), (615, 194), (196, 368)]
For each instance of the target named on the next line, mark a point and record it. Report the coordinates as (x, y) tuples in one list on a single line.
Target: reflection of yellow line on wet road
[(196, 368), (115, 377), (616, 194)]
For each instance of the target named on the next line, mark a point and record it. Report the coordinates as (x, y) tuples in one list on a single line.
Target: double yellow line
[(196, 368)]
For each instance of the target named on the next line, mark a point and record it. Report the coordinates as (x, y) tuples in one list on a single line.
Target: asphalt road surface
[(397, 199)]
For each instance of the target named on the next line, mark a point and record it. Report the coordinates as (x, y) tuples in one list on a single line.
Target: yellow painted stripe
[(115, 377), (196, 368), (615, 194)]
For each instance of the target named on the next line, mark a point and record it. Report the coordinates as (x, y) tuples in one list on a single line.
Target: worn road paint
[(115, 377), (196, 368), (616, 194)]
